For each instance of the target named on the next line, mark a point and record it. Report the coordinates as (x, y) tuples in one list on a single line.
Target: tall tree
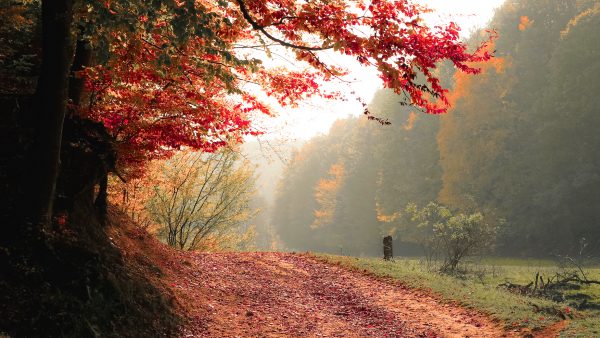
[(51, 97), (167, 74)]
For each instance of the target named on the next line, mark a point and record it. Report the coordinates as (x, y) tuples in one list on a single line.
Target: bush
[(451, 235)]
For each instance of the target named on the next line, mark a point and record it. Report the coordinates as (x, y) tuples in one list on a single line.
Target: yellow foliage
[(193, 200), (325, 194), (595, 10), (131, 197)]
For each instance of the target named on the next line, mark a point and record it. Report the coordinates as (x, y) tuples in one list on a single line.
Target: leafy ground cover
[(478, 289), (295, 295), (253, 294)]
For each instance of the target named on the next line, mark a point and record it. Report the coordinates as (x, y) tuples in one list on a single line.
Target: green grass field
[(478, 289)]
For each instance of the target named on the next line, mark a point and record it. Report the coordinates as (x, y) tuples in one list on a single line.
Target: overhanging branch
[(262, 29)]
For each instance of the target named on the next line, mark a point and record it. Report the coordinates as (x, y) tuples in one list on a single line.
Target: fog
[(520, 146)]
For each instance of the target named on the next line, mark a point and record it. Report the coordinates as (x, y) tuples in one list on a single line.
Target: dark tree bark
[(51, 105), (81, 60), (101, 202)]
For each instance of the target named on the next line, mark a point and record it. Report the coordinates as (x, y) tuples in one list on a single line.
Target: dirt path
[(287, 295)]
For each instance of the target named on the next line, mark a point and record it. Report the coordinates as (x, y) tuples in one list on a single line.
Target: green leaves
[(452, 235)]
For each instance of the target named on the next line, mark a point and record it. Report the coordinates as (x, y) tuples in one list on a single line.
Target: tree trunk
[(51, 100), (81, 60), (388, 253), (101, 202)]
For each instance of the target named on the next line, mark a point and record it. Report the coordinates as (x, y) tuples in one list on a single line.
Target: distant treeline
[(521, 144)]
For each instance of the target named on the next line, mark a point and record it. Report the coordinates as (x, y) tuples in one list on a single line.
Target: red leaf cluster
[(158, 94)]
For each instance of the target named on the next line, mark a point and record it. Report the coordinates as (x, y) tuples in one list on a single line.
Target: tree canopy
[(172, 74), (161, 75)]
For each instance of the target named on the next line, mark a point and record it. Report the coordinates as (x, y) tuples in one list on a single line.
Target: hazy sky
[(316, 116)]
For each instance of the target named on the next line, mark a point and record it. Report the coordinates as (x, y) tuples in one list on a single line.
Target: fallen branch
[(551, 287)]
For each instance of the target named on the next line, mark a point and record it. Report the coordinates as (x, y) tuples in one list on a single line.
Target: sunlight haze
[(316, 116)]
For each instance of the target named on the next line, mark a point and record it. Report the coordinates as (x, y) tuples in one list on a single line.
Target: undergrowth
[(76, 282)]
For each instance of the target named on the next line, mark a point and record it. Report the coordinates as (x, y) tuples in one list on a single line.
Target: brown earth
[(291, 295)]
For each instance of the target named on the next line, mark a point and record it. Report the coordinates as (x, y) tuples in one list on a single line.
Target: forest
[(519, 144), (142, 196)]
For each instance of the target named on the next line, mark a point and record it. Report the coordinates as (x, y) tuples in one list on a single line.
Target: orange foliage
[(524, 23), (325, 194), (384, 218), (410, 122), (131, 197), (463, 101), (463, 83)]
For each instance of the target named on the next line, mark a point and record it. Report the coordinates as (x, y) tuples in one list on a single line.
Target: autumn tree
[(160, 75), (119, 83), (326, 195), (200, 199), (326, 200), (295, 205), (132, 196)]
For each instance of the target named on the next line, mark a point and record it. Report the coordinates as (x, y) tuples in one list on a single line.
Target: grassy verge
[(478, 290)]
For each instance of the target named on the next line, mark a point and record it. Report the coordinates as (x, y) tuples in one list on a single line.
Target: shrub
[(451, 235)]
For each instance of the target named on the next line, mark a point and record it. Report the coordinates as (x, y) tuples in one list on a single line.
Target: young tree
[(131, 197), (453, 235), (424, 221), (200, 197)]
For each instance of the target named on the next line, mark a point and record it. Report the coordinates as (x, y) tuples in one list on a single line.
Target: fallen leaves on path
[(290, 295)]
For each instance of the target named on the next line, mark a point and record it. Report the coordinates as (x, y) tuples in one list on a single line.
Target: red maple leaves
[(157, 93)]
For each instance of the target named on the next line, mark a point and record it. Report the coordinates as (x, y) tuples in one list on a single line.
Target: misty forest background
[(519, 145)]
